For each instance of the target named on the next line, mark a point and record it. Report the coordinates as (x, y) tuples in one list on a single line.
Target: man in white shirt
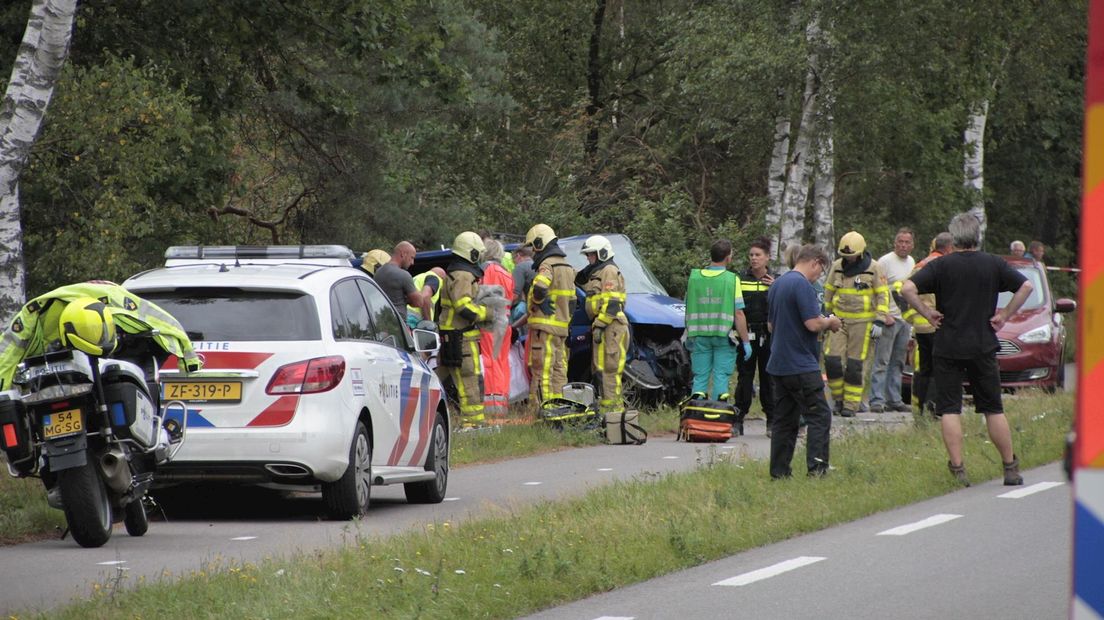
[(892, 347)]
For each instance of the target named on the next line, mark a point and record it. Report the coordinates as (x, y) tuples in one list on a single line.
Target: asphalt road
[(248, 527), (976, 553)]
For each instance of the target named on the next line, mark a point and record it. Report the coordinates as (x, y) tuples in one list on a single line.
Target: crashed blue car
[(658, 368)]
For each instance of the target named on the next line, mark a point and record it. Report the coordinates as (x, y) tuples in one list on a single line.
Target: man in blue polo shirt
[(794, 320)]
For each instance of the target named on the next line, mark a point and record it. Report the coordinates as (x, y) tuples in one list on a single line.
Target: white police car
[(310, 376)]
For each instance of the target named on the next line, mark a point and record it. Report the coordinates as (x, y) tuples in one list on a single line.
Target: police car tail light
[(320, 374)]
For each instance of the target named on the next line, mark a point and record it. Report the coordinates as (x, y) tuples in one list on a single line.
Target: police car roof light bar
[(225, 252)]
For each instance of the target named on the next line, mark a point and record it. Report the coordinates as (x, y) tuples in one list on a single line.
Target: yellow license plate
[(204, 391), (62, 423)]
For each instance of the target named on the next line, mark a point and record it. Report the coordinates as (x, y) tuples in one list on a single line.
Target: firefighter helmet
[(540, 236), (852, 244), (86, 325), (468, 246), (599, 245), (372, 260)]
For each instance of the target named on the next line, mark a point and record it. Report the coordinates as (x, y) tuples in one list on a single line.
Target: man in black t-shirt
[(966, 284)]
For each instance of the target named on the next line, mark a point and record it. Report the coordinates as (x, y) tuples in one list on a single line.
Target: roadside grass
[(24, 514), (518, 561), (521, 435)]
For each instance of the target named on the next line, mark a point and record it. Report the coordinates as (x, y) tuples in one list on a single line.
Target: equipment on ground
[(706, 420)]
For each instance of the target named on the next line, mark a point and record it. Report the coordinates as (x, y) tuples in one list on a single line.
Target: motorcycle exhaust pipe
[(116, 470)]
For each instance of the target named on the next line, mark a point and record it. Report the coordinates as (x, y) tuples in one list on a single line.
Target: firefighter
[(922, 329), (551, 303), (605, 307), (856, 292), (460, 315), (371, 260)]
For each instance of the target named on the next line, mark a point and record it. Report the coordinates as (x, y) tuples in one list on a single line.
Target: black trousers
[(922, 377), (796, 396), (760, 355)]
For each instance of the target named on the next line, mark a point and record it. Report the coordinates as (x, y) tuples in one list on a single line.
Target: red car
[(1032, 342)]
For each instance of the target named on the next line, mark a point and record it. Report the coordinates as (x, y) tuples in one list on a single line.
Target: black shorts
[(984, 376)]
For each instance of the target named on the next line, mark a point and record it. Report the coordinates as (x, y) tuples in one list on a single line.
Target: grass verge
[(514, 563)]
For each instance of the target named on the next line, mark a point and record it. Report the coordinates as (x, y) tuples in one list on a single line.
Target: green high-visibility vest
[(419, 283), (710, 302)]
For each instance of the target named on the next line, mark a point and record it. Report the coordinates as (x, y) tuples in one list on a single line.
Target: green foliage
[(368, 121), (124, 166)]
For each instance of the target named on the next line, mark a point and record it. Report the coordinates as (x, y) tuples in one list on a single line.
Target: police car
[(310, 379)]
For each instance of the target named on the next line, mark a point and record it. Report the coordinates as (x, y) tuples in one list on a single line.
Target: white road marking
[(1030, 490), (919, 525), (669, 458), (532, 484), (615, 618), (605, 469), (452, 499), (244, 538), (111, 563), (770, 571)]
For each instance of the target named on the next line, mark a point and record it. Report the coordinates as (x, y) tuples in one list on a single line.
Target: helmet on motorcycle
[(540, 236), (468, 246), (599, 245), (86, 325), (852, 244)]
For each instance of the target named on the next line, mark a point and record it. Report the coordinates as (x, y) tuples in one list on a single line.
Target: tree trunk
[(594, 78), (776, 174), (974, 162), (824, 189), (797, 182), (37, 66)]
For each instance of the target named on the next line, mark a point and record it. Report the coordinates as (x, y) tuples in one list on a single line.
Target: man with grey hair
[(1017, 248), (966, 284)]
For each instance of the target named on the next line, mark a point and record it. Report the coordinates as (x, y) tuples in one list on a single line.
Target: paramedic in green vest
[(429, 284), (715, 323)]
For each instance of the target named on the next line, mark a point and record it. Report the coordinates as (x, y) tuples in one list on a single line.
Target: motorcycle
[(92, 430)]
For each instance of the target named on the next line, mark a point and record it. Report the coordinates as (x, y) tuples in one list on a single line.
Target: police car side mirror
[(426, 341)]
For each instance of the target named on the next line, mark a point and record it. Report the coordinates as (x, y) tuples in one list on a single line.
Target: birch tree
[(776, 171), (41, 55), (800, 170), (974, 161)]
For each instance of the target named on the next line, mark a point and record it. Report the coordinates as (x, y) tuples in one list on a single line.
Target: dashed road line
[(919, 525), (111, 563), (615, 618), (669, 458), (605, 469), (452, 499), (1030, 490), (244, 538), (531, 484), (770, 571)]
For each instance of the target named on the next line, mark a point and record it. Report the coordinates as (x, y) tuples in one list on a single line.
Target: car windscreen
[(1037, 297), (638, 278), (240, 315)]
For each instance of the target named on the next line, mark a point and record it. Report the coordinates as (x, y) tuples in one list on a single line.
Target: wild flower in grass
[(460, 571), (280, 573), (399, 569), (423, 572)]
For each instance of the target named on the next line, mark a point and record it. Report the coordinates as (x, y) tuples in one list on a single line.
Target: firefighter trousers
[(845, 352), (547, 356), (467, 379), (609, 364)]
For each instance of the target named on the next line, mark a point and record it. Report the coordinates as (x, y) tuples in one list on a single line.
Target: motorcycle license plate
[(204, 391), (62, 423)]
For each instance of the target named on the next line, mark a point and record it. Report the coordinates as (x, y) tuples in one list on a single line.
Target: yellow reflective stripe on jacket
[(600, 305)]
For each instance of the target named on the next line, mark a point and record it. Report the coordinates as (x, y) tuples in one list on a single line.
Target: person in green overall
[(714, 307)]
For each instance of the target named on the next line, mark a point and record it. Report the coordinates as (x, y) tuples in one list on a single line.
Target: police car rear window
[(211, 314)]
